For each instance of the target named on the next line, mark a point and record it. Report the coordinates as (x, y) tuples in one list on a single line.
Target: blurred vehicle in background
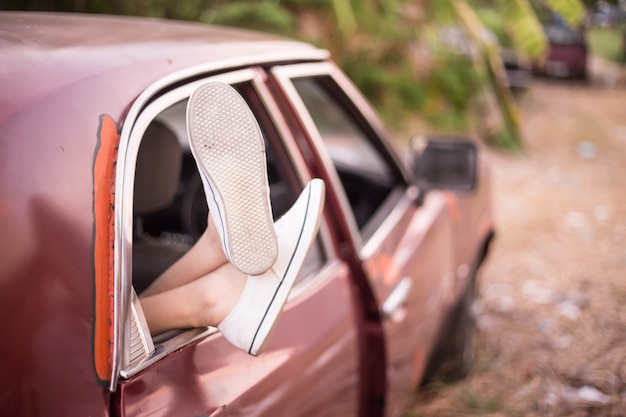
[(567, 48), (518, 71)]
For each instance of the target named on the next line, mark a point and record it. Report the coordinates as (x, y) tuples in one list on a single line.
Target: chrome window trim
[(142, 345), (298, 162), (170, 345), (221, 65), (402, 203), (282, 127), (284, 74)]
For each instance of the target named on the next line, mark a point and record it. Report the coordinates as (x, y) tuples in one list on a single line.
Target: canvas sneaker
[(251, 321), (227, 144)]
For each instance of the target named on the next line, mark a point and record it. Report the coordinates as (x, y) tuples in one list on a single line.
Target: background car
[(98, 195), (567, 48)]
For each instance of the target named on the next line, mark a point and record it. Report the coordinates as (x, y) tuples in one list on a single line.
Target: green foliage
[(390, 48), (171, 9), (346, 21), (439, 87), (450, 91), (524, 29), (262, 15), (573, 11), (500, 112), (168, 9), (608, 43), (495, 22), (515, 24), (442, 12)]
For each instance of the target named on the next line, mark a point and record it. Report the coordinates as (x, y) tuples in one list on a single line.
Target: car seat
[(157, 178)]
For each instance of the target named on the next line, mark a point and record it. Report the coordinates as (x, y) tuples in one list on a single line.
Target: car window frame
[(125, 298), (368, 122)]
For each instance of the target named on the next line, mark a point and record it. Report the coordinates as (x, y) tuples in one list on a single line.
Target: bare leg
[(199, 303), (205, 256), (243, 307)]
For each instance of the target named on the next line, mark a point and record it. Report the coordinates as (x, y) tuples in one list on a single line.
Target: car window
[(170, 211), (367, 177)]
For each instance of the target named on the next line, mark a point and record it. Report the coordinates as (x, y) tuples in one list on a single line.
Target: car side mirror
[(445, 162)]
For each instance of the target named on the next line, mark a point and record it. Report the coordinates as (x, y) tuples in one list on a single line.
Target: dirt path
[(552, 313)]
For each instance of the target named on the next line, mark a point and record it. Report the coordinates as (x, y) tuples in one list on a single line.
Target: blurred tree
[(573, 11), (506, 130), (262, 15), (392, 49), (516, 24)]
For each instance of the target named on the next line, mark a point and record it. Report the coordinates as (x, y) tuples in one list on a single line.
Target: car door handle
[(394, 304)]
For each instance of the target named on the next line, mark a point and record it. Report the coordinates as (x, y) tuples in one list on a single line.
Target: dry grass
[(552, 319)]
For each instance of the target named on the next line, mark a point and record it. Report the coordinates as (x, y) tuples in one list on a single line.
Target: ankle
[(220, 293)]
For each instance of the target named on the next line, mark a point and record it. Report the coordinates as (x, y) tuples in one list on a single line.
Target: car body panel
[(566, 61), (208, 374), (132, 55), (416, 250)]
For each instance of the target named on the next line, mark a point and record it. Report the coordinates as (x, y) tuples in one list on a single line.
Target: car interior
[(364, 173), (170, 211)]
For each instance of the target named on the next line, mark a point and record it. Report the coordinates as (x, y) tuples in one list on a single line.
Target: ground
[(552, 307)]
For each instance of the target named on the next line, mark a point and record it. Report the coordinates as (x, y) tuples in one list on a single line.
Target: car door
[(403, 245), (311, 364)]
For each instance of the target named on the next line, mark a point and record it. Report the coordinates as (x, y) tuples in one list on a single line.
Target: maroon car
[(89, 105), (567, 48)]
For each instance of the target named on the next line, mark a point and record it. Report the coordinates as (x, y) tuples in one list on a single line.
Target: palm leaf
[(573, 11), (344, 14), (263, 15), (494, 67), (524, 28)]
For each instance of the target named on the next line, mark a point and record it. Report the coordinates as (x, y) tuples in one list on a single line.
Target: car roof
[(43, 53)]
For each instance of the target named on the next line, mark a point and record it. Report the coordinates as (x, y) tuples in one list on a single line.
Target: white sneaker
[(228, 146), (251, 321)]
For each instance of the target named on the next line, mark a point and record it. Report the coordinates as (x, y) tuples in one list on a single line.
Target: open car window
[(366, 173), (170, 211)]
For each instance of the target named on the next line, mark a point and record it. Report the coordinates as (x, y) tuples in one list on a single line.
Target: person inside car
[(239, 273)]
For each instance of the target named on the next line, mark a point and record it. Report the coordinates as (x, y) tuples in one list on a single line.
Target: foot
[(228, 146), (251, 321)]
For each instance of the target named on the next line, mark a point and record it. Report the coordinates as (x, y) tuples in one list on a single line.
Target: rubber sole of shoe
[(228, 146)]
